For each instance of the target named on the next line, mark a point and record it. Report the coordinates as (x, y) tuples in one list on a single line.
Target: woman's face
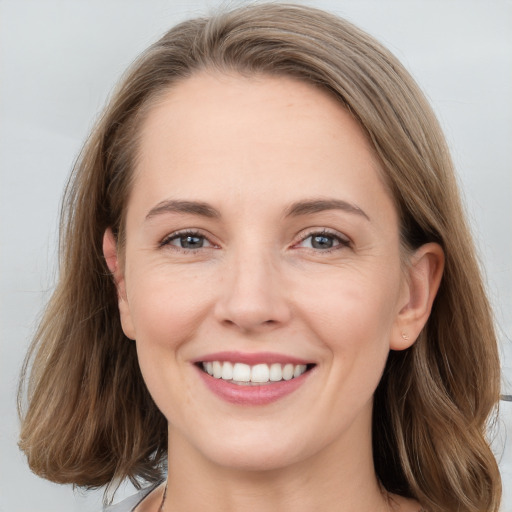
[(260, 241)]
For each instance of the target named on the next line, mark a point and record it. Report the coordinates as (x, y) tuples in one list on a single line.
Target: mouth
[(253, 379), (260, 374)]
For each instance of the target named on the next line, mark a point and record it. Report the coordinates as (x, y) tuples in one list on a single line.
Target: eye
[(323, 241), (186, 240)]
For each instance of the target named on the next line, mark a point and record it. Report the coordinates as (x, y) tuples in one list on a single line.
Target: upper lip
[(250, 358)]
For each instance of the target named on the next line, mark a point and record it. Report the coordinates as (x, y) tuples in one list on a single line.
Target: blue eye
[(323, 241), (189, 241)]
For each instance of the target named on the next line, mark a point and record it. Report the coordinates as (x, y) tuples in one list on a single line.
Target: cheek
[(353, 320), (353, 309), (166, 309), (167, 312)]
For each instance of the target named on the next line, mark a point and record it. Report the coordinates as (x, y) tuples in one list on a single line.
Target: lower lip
[(252, 395)]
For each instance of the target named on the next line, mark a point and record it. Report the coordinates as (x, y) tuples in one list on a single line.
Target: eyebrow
[(319, 205), (297, 209), (177, 206)]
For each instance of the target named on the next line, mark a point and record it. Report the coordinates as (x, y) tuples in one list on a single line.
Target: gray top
[(129, 504)]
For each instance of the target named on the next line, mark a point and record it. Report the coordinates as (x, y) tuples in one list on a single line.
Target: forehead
[(214, 106), (219, 134)]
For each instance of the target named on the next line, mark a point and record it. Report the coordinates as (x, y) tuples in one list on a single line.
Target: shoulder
[(129, 504)]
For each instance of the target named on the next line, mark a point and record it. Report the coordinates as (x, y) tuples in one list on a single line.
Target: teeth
[(288, 372), (259, 373), (227, 371), (241, 372), (299, 370), (276, 372), (217, 369)]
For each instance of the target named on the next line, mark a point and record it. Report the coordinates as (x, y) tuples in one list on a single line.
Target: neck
[(341, 477)]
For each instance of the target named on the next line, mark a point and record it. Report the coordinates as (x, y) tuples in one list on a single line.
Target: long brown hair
[(90, 420)]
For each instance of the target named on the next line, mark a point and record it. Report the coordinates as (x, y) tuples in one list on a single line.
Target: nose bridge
[(252, 296)]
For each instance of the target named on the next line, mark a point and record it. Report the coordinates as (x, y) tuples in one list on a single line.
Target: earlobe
[(423, 279), (111, 257)]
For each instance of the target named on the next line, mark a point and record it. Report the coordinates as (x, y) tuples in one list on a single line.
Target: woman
[(266, 273)]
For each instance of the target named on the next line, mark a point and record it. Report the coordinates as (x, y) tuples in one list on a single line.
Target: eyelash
[(166, 242), (342, 241)]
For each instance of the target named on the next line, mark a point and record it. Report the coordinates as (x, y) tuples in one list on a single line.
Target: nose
[(252, 294)]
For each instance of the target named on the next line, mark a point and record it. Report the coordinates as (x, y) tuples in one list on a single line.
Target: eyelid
[(344, 240), (165, 241)]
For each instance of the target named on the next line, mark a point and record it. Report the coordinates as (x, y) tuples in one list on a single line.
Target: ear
[(423, 278), (111, 257)]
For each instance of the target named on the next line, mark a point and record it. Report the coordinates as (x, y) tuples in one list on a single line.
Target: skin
[(250, 148)]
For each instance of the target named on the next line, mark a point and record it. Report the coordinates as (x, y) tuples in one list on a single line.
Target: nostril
[(249, 324)]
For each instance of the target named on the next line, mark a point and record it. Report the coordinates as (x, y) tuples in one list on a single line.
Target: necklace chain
[(160, 509)]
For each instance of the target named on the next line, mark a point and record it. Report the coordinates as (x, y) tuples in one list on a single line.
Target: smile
[(253, 379), (244, 374)]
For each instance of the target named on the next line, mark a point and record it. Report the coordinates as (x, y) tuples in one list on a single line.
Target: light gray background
[(60, 59)]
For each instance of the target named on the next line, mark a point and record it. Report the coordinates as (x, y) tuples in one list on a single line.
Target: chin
[(246, 449), (254, 460)]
